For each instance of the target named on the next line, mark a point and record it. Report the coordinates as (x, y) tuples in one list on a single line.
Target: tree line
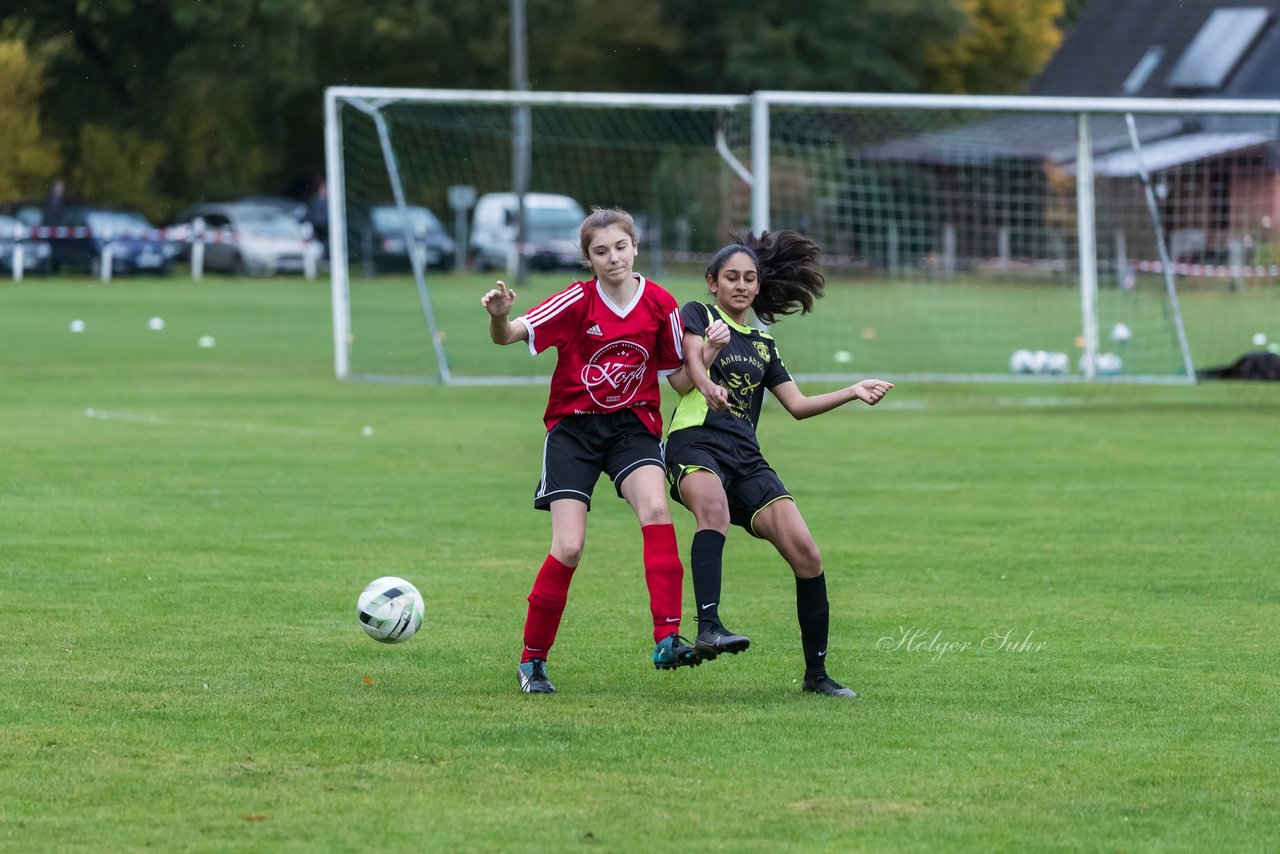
[(158, 103)]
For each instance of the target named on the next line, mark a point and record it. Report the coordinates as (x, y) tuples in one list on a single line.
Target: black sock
[(706, 557), (814, 613)]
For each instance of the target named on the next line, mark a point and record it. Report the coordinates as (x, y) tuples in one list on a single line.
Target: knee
[(713, 515), (653, 510), (567, 550), (806, 562)]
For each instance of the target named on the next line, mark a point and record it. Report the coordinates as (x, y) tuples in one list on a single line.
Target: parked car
[(136, 245), (250, 239), (551, 231), (382, 245), (36, 254)]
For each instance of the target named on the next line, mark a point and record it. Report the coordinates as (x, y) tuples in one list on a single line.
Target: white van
[(551, 231)]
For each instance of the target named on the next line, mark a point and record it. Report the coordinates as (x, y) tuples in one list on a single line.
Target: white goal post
[(961, 234)]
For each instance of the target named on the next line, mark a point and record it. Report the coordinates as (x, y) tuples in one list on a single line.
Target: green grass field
[(967, 325), (183, 669)]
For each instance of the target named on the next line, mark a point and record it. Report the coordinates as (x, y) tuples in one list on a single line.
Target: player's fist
[(717, 338), (871, 391), (717, 398), (499, 300)]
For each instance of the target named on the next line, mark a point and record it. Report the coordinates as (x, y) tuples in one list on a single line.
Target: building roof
[(1112, 37)]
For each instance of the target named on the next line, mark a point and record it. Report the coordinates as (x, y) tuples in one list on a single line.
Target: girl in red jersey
[(717, 469), (614, 335)]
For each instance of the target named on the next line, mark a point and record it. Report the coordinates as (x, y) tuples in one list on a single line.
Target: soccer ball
[(1020, 362), (390, 610), (1057, 363)]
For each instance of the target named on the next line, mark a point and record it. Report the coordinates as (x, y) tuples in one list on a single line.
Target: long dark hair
[(787, 268)]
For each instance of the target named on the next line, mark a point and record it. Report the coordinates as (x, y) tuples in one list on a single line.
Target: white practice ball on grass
[(206, 342), (1039, 361), (156, 324), (77, 326), (367, 431), (843, 357), (1020, 362), (1057, 363), (1259, 339), (1121, 333), (390, 609)]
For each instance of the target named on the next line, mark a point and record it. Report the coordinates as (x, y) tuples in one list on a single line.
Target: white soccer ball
[(843, 357), (1039, 361), (1057, 363), (1020, 362), (156, 324), (1109, 364), (206, 342), (1259, 339), (77, 326), (1121, 333), (390, 610)]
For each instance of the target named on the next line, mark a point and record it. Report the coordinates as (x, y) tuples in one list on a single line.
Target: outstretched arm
[(801, 405), (498, 303)]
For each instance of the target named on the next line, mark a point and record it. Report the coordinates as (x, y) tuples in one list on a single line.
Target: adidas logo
[(595, 330)]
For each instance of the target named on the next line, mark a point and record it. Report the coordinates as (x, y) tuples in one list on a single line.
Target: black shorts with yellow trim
[(750, 483), (580, 447)]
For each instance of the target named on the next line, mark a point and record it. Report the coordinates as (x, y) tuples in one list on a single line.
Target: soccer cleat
[(533, 677), (717, 640), (674, 651), (824, 684)]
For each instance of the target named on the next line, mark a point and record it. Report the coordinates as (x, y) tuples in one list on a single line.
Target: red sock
[(546, 604), (664, 574)]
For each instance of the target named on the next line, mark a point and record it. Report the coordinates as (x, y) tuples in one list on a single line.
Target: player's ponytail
[(788, 270)]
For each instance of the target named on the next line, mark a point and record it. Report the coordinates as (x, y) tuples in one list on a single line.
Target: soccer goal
[(964, 237)]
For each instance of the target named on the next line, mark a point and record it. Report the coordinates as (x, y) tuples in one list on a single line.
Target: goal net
[(973, 238)]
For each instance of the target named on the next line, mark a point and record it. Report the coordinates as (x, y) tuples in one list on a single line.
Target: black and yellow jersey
[(747, 365)]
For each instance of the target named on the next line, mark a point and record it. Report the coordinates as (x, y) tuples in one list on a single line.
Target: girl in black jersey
[(713, 459)]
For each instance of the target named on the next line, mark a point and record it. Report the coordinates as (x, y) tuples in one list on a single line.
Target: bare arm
[(697, 352), (801, 405), (498, 303)]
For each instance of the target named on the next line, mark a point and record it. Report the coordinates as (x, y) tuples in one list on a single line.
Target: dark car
[(36, 254), (136, 245), (381, 244)]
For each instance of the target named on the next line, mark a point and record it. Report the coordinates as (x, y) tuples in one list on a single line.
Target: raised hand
[(871, 391), (498, 301)]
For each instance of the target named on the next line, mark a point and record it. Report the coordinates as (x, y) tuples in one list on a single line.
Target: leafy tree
[(1005, 43), (877, 45), (116, 168), (31, 159)]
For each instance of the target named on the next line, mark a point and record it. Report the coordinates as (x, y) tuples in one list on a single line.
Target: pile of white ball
[(1038, 362)]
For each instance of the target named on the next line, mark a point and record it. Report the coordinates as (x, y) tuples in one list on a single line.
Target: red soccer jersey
[(610, 356)]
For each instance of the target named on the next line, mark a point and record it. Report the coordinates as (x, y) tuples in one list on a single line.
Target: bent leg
[(551, 586), (781, 524), (644, 490), (703, 493)]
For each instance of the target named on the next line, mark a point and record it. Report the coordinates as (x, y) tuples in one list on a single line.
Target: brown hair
[(601, 218)]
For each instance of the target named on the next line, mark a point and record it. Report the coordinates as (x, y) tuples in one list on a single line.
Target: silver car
[(254, 240)]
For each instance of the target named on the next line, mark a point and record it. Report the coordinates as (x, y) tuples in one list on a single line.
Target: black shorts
[(579, 447), (749, 482)]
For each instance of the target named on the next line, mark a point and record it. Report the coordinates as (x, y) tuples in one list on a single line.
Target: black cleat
[(718, 640), (824, 684), (533, 677), (674, 651)]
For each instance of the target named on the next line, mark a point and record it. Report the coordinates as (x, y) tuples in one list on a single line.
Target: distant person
[(716, 467), (614, 336), (318, 211), (54, 203)]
